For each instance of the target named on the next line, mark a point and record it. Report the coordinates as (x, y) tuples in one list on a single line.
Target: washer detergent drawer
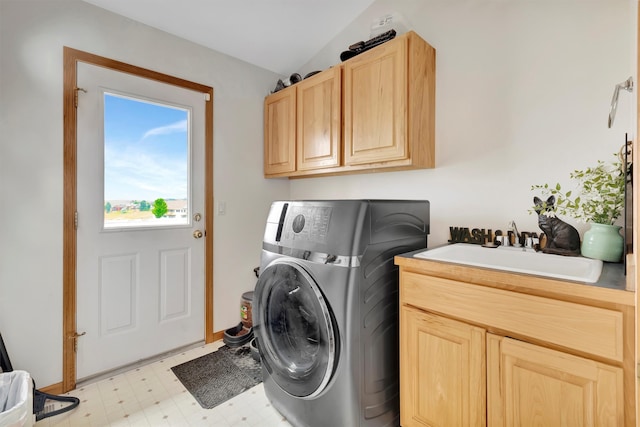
[(295, 330)]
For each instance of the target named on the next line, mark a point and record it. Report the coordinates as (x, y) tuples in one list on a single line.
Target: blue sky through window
[(145, 150)]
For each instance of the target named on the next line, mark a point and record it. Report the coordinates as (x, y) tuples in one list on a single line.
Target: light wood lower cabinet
[(456, 374), (475, 355), (442, 371), (529, 385)]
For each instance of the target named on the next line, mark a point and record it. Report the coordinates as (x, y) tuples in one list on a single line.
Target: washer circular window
[(297, 336)]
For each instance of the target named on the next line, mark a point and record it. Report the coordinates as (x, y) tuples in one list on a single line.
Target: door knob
[(198, 234)]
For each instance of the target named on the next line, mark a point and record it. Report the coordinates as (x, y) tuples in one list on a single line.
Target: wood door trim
[(71, 57)]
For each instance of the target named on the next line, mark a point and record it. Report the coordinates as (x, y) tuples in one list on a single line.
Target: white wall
[(32, 34), (522, 97)]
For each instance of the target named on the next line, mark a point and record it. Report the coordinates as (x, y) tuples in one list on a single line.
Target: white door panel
[(140, 285)]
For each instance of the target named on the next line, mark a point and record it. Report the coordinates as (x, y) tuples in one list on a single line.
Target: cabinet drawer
[(580, 327)]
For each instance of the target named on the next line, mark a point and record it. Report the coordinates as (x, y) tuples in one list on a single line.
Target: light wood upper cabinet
[(389, 105), (302, 126), (280, 132), (319, 112), (373, 112), (375, 98)]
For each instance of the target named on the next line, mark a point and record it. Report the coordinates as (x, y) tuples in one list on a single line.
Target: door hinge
[(75, 337), (76, 90), (75, 220), (207, 97)]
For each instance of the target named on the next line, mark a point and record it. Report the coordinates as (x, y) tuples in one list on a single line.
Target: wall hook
[(626, 85)]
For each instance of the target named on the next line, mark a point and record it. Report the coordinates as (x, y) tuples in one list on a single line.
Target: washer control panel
[(308, 223)]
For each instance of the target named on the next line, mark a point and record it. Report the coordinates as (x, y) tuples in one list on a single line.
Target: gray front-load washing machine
[(325, 308)]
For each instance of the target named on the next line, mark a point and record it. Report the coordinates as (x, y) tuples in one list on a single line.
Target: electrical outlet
[(383, 21), (380, 25), (387, 22)]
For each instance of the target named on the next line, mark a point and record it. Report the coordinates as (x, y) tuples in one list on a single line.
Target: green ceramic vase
[(604, 242)]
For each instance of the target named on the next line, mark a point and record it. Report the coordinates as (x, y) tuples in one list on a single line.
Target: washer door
[(295, 329)]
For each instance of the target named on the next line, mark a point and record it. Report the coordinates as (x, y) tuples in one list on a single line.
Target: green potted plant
[(598, 200)]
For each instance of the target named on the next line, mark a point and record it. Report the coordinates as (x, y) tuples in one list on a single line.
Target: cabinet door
[(319, 120), (442, 371), (280, 132), (530, 385), (375, 104)]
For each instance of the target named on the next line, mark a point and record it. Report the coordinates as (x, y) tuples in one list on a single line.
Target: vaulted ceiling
[(278, 35)]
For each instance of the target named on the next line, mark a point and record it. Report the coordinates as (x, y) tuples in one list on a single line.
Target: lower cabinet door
[(442, 371), (529, 385)]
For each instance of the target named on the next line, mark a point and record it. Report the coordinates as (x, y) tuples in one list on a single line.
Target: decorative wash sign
[(483, 236), (477, 236)]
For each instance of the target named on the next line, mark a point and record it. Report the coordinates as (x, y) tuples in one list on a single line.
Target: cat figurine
[(562, 238)]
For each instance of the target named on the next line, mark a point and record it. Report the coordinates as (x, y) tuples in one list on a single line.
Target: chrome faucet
[(514, 229)]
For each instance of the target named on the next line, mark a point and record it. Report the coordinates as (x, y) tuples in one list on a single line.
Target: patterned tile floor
[(152, 396)]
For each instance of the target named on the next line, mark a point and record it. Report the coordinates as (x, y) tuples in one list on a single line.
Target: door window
[(146, 163)]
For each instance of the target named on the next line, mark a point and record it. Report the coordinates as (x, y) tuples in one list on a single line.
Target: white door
[(140, 198)]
